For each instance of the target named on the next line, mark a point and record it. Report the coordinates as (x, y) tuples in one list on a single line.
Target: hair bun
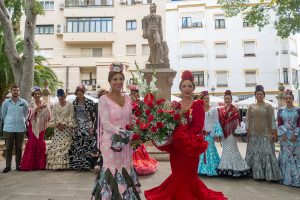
[(187, 75), (259, 88), (290, 92), (227, 92), (204, 93)]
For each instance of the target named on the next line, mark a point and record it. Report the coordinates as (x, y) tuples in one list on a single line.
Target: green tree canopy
[(287, 13)]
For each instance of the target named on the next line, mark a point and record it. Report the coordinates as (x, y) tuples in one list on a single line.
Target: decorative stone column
[(46, 92), (280, 96), (164, 77)]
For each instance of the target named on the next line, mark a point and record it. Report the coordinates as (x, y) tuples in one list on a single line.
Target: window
[(88, 3), (88, 78), (293, 47), (221, 48), (147, 1), (145, 49), (47, 53), (97, 52), (250, 78), (219, 21), (44, 29), (198, 78), (285, 46), (103, 24), (130, 50), (91, 52), (222, 78), (192, 49), (295, 79), (249, 48), (131, 25), (47, 5), (285, 76), (186, 22), (246, 23), (130, 2)]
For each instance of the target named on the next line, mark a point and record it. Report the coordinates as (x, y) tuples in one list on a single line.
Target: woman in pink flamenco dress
[(34, 157), (184, 148), (117, 178), (142, 162)]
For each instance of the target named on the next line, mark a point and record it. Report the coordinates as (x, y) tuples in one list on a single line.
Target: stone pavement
[(70, 185)]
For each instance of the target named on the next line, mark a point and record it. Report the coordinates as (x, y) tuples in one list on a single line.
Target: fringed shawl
[(229, 119)]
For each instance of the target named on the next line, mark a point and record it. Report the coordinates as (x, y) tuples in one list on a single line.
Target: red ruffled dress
[(187, 144), (34, 157), (142, 162)]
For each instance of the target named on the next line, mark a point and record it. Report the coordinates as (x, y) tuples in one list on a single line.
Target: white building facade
[(227, 53), (81, 38)]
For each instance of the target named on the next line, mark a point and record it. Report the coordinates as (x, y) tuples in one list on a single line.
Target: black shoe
[(7, 169), (18, 168)]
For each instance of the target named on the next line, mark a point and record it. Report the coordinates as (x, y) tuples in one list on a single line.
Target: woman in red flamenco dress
[(184, 148), (142, 162), (34, 157)]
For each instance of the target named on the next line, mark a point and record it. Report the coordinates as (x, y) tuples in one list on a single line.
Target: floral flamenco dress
[(187, 144)]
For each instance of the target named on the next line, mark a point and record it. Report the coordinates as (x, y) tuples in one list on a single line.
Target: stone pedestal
[(164, 77), (280, 96)]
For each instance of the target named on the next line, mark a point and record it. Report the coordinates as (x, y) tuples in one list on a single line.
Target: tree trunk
[(23, 68)]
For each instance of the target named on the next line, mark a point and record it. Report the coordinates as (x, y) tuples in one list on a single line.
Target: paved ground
[(70, 185)]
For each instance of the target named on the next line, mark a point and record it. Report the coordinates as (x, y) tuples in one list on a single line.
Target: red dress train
[(142, 162), (187, 144), (34, 157)]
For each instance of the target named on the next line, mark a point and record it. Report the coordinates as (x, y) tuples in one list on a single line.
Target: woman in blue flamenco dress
[(288, 129), (210, 159)]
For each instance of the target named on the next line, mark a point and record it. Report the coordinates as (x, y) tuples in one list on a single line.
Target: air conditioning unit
[(59, 29), (61, 6), (122, 2)]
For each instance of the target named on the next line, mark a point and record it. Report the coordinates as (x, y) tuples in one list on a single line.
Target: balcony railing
[(89, 3)]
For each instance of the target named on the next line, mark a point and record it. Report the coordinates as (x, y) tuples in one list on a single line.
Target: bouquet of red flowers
[(154, 120)]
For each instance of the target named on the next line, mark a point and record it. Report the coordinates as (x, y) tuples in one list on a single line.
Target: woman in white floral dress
[(63, 121)]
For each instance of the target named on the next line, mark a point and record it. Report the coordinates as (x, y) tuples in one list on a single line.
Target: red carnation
[(135, 106), (149, 98), (137, 113), (148, 112), (160, 101), (172, 112), (128, 127), (159, 111), (143, 126), (137, 121), (154, 129), (150, 118), (176, 117), (150, 105), (136, 137), (160, 124)]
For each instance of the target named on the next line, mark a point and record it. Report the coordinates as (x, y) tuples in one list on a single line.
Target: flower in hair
[(35, 88), (116, 67), (187, 75), (227, 92)]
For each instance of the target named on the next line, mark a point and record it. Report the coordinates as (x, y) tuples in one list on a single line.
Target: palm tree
[(41, 71)]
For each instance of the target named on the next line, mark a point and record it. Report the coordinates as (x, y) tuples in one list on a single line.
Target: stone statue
[(152, 30)]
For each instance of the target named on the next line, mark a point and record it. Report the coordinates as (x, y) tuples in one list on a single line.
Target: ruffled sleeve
[(188, 140), (281, 130)]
